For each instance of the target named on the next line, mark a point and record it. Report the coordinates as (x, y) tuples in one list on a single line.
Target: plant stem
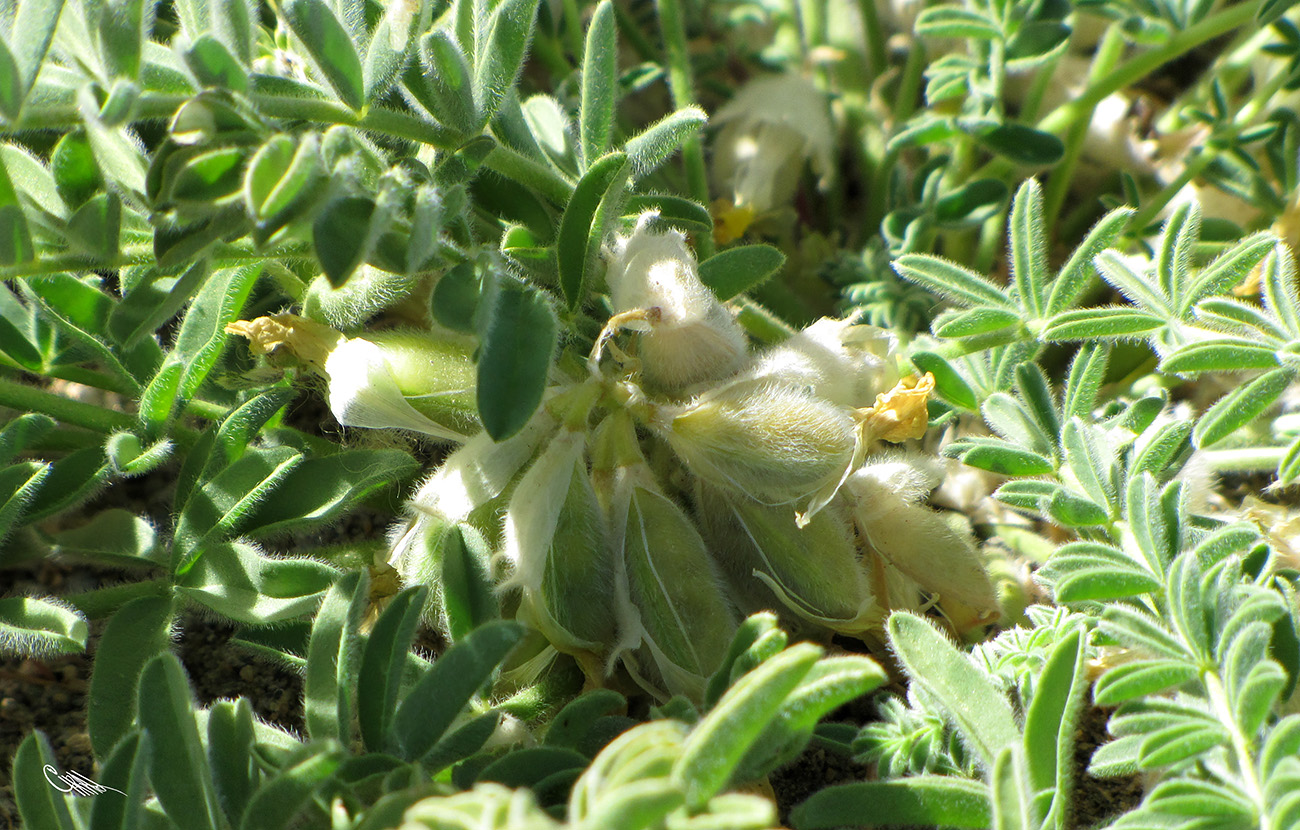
[(1058, 185), (682, 84), (26, 398), (873, 41), (1244, 758), (1231, 17)]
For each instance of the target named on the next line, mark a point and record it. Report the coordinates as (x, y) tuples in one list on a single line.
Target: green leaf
[(139, 631), (1028, 243), (975, 322), (282, 180), (1012, 796), (971, 205), (1241, 406), (1228, 270), (202, 335), (1023, 145), (956, 22), (1118, 322), (1082, 571), (277, 802), (1174, 744), (595, 203), (329, 688), (178, 766), (1051, 720), (388, 47), (688, 215), (1219, 355), (922, 800), (599, 85), (832, 682), (736, 270), (498, 63), (40, 628), (34, 23), (126, 770), (330, 47), (468, 598), (19, 486), (239, 583), (950, 280), (950, 385), (1140, 679), (657, 143), (230, 753), (382, 664), (754, 628), (719, 743), (219, 508), (213, 64), (342, 235), (518, 332), (1278, 282), (443, 82), (438, 698), (1001, 457), (40, 804), (11, 85), (319, 490), (979, 712), (1077, 273), (209, 177)]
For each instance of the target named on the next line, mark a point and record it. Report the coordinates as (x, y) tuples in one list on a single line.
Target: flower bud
[(917, 541), (558, 542), (769, 128), (814, 571), (687, 336), (776, 443), (685, 622)]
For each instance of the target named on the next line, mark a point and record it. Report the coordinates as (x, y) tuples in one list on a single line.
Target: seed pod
[(686, 623), (688, 337), (814, 571), (775, 443), (917, 541), (558, 542)]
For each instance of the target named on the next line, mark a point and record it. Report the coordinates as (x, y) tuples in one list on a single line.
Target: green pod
[(776, 443), (686, 621), (815, 571), (558, 541)]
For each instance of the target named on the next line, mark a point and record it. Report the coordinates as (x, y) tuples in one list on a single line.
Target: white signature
[(74, 782)]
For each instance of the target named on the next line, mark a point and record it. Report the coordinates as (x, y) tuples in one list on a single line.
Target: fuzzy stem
[(1245, 760), (26, 398), (874, 41), (1244, 460), (682, 83), (1237, 14)]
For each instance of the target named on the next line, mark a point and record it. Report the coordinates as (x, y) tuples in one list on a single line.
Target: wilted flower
[(771, 126), (687, 336)]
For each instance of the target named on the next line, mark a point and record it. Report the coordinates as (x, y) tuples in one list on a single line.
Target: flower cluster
[(680, 481)]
